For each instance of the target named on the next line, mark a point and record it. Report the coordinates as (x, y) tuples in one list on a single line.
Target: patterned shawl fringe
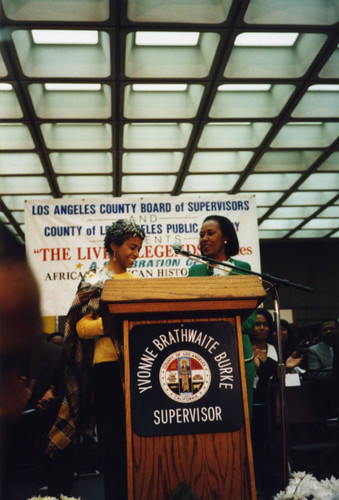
[(79, 356)]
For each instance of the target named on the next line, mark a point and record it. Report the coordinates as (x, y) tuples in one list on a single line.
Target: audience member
[(336, 373), (307, 336), (20, 322), (265, 360), (266, 363), (289, 342), (55, 338), (320, 356), (322, 364), (20, 330), (265, 354), (293, 354), (45, 367)]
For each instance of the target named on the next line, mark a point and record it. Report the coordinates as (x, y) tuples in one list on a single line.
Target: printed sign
[(185, 378), (64, 238)]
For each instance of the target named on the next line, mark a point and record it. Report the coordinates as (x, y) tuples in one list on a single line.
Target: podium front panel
[(185, 378), (214, 462)]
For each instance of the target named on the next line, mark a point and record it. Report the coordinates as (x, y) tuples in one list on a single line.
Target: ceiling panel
[(173, 97)]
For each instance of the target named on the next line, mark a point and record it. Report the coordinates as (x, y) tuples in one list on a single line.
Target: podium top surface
[(217, 291)]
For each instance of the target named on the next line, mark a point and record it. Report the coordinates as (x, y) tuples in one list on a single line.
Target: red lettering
[(97, 252), (192, 249), (91, 253), (245, 251), (54, 254), (80, 254), (44, 254), (158, 251), (66, 254), (169, 251), (148, 251)]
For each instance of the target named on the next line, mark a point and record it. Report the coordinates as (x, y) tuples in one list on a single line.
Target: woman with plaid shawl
[(91, 354)]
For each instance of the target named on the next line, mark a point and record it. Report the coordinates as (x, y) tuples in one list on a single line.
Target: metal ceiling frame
[(118, 26)]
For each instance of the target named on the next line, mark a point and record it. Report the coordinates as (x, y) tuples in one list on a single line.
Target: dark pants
[(109, 407), (260, 430)]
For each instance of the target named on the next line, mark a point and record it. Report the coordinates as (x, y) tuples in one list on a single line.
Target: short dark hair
[(227, 229), (328, 320), (120, 231)]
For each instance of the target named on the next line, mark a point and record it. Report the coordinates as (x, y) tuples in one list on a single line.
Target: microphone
[(177, 248)]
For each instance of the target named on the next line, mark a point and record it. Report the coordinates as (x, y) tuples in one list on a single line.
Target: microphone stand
[(274, 284), (273, 280)]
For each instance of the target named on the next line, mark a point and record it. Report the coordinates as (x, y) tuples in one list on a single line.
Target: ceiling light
[(65, 37), (152, 124), (6, 86), (303, 123), (324, 88), (266, 39), (145, 87), (166, 38), (229, 123), (244, 87), (73, 86)]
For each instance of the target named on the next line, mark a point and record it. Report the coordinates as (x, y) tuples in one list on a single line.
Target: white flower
[(44, 498), (323, 493), (331, 484), (280, 496), (290, 490), (93, 279), (63, 497), (300, 474), (304, 486)]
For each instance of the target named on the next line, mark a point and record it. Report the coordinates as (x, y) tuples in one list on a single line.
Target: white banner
[(65, 237)]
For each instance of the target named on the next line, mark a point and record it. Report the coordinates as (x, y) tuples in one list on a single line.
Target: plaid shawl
[(79, 357)]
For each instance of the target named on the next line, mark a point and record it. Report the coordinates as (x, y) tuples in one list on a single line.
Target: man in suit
[(320, 356), (323, 366)]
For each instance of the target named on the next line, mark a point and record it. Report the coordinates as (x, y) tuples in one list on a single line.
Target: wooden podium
[(214, 465)]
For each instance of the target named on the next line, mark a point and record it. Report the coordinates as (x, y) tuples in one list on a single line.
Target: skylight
[(153, 124), (65, 37), (6, 86), (73, 86), (324, 88), (266, 39), (293, 124), (234, 87), (149, 87), (226, 124), (157, 38), (9, 124)]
